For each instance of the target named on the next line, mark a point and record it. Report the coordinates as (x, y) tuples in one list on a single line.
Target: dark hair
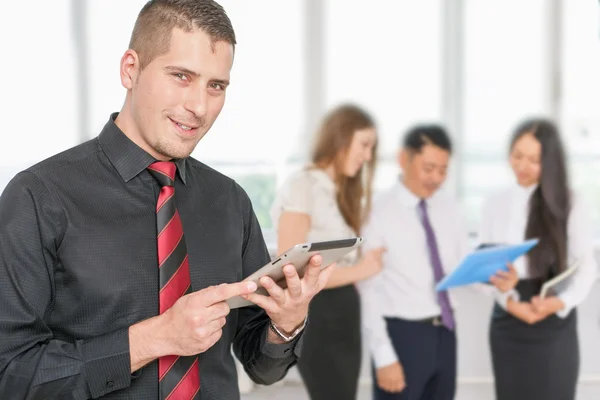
[(151, 34), (550, 203), (331, 148), (421, 135)]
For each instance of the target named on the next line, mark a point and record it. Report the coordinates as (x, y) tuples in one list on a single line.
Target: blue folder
[(482, 264)]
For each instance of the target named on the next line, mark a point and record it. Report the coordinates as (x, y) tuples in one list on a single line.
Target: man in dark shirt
[(117, 256)]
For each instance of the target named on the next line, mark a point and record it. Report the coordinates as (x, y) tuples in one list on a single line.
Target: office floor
[(297, 392), (471, 392)]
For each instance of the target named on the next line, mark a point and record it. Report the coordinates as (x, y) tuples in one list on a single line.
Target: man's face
[(425, 171), (178, 96)]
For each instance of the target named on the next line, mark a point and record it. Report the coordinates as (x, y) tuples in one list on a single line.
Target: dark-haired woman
[(534, 343)]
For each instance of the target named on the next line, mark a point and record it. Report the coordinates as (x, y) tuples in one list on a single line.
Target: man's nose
[(197, 102)]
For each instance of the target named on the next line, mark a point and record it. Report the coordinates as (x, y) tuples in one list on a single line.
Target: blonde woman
[(328, 200)]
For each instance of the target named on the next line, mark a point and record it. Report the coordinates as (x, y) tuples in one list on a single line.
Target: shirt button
[(110, 383)]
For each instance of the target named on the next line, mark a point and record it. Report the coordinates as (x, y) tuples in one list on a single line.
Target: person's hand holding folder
[(489, 263), (505, 281)]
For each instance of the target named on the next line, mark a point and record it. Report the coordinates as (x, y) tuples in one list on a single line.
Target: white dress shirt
[(312, 192), (405, 287), (504, 220)]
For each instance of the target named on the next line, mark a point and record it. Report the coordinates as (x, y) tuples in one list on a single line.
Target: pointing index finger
[(217, 294)]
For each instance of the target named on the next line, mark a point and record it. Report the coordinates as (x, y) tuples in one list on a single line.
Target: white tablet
[(299, 256), (549, 286)]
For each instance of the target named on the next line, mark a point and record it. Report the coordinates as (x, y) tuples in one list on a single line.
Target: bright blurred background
[(477, 66)]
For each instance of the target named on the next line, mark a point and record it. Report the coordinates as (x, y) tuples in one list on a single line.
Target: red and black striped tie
[(179, 377)]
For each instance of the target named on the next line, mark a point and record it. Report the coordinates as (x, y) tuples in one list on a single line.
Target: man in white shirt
[(408, 326)]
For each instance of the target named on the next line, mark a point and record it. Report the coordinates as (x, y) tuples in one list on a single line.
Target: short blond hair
[(151, 36)]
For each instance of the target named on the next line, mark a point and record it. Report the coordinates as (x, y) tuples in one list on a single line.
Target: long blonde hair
[(331, 147)]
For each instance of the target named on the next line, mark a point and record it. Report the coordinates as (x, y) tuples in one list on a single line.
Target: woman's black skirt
[(534, 362)]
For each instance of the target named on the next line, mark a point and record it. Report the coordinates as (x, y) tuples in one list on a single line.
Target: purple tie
[(438, 272)]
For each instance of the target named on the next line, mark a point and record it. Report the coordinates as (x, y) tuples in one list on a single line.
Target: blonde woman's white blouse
[(311, 191)]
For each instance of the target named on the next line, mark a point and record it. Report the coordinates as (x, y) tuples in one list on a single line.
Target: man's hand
[(288, 307), (505, 281), (191, 326), (391, 378)]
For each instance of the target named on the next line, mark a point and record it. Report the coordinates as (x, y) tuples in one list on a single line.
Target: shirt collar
[(323, 178), (526, 191), (408, 198), (127, 157)]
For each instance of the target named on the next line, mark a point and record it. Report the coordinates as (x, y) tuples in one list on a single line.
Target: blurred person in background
[(328, 200), (534, 341), (408, 326)]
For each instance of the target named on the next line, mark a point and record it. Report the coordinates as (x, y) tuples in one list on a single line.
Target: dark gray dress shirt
[(78, 266)]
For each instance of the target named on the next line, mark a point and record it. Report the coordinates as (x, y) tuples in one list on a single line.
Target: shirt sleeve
[(485, 231), (462, 234), (264, 362), (34, 364), (486, 236), (373, 322), (581, 249), (296, 194)]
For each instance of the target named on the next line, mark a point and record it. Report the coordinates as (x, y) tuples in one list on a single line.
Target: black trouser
[(427, 353)]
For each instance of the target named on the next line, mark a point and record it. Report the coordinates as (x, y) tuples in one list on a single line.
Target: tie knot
[(423, 210), (163, 172)]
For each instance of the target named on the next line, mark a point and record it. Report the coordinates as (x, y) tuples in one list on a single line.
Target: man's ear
[(403, 158), (130, 69)]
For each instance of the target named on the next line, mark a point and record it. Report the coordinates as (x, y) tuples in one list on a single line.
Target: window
[(109, 26), (384, 55), (38, 81), (505, 81), (259, 128), (374, 59), (580, 113), (508, 78)]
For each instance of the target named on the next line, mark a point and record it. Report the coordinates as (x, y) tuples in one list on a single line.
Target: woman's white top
[(504, 220), (311, 191)]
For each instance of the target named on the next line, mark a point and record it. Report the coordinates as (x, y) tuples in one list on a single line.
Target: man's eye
[(181, 76), (218, 86)]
